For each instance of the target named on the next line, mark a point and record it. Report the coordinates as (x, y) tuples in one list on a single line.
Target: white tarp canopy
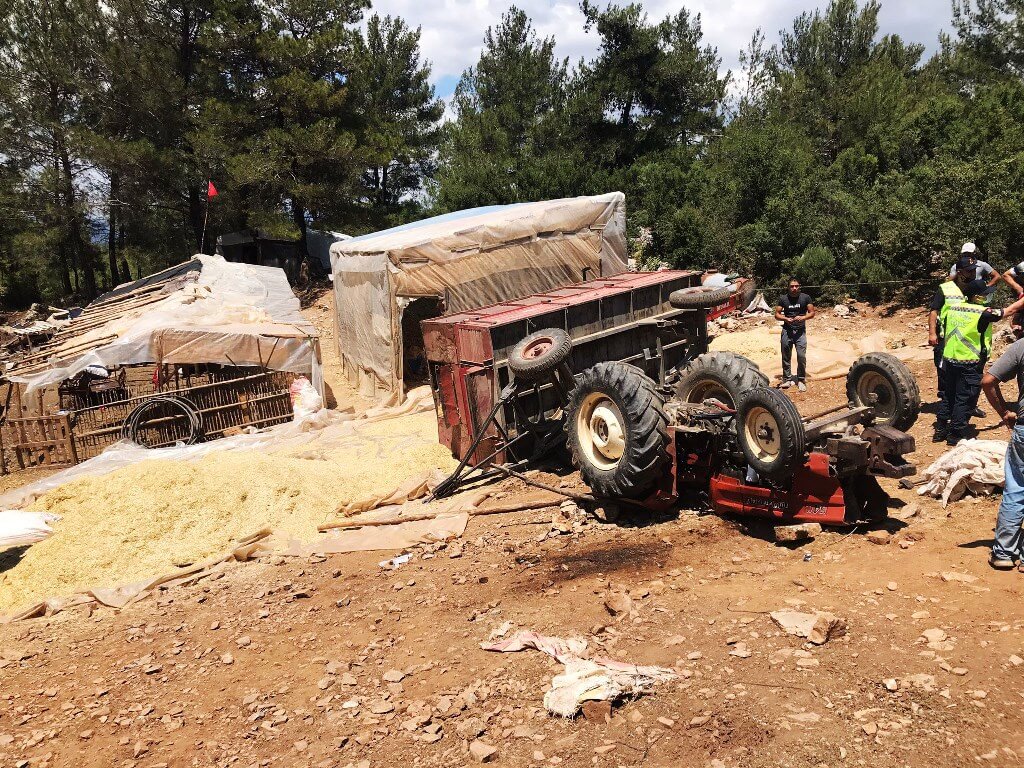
[(206, 310), (467, 259)]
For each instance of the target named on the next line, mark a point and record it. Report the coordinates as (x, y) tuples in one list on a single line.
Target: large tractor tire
[(723, 376), (898, 399), (749, 292), (540, 353), (699, 297), (618, 430), (770, 433)]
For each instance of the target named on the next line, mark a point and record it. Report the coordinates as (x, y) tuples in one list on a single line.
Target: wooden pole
[(496, 510)]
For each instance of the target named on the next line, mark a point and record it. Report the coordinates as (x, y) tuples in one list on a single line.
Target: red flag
[(211, 191)]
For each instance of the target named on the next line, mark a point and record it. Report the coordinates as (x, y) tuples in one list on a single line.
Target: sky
[(452, 30)]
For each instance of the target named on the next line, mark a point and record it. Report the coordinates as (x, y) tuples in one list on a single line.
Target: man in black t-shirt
[(793, 309)]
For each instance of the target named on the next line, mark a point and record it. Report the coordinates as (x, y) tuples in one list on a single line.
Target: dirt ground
[(338, 661)]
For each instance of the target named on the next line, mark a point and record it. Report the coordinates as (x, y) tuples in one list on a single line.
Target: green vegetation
[(838, 154)]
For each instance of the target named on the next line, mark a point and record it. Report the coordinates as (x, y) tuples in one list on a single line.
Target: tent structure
[(206, 310), (386, 282), (204, 348)]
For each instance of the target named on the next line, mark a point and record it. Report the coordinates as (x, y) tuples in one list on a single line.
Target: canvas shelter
[(462, 261), (206, 310), (204, 349)]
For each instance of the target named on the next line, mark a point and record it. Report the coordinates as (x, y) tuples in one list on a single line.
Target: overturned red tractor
[(707, 428)]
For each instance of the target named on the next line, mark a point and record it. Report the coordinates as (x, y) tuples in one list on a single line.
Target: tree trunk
[(195, 217), (126, 274), (115, 187), (78, 243), (299, 217), (62, 253)]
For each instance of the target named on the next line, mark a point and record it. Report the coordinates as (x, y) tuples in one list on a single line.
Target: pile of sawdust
[(148, 518)]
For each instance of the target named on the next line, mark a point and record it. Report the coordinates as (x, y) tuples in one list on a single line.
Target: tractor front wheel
[(618, 430), (770, 433)]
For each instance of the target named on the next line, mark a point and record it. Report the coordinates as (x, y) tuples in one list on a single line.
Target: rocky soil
[(339, 661)]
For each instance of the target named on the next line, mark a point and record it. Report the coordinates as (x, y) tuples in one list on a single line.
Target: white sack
[(972, 465), (597, 679)]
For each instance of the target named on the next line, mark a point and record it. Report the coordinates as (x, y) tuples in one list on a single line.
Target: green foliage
[(114, 114), (876, 277), (840, 154)]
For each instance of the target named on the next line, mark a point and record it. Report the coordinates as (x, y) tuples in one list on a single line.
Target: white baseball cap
[(969, 248)]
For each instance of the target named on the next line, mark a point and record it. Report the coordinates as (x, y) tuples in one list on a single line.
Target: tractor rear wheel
[(723, 376), (885, 379), (770, 433), (618, 430)]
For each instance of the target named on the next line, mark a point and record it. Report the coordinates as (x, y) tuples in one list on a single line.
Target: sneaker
[(940, 435), (801, 387), (1000, 564), (978, 413), (953, 439), (786, 384)]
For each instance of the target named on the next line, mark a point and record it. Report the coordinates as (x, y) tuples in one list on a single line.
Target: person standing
[(966, 324), (793, 309), (985, 271), (1008, 544), (950, 292)]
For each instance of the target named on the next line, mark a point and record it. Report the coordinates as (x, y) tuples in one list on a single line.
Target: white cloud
[(453, 30)]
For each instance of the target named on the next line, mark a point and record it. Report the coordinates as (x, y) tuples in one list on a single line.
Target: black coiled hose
[(135, 419)]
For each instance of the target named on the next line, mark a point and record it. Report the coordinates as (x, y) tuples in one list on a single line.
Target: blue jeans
[(1009, 542)]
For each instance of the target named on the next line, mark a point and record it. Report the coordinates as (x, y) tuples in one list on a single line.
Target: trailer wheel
[(699, 297), (539, 354), (887, 378), (723, 376), (618, 430), (770, 433)]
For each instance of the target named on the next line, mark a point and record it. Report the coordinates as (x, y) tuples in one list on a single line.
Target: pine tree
[(399, 117)]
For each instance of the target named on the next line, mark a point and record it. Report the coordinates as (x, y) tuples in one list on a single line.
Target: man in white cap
[(985, 271)]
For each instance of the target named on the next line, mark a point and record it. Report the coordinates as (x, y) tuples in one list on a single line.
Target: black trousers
[(977, 390), (937, 356), (797, 340), (961, 383)]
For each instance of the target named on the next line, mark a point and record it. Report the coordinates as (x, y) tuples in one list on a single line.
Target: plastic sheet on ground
[(758, 306), (597, 679), (827, 356), (974, 466), (397, 536), (21, 529)]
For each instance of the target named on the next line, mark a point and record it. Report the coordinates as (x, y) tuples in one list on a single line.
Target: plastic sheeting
[(20, 529), (974, 466), (229, 314), (598, 679), (468, 259)]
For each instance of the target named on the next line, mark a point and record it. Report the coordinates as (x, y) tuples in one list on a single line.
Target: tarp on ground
[(207, 310), (467, 259)]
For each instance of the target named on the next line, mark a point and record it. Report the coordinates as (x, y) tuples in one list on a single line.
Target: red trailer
[(627, 317)]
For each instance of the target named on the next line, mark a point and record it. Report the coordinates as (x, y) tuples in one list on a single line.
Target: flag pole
[(206, 214)]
